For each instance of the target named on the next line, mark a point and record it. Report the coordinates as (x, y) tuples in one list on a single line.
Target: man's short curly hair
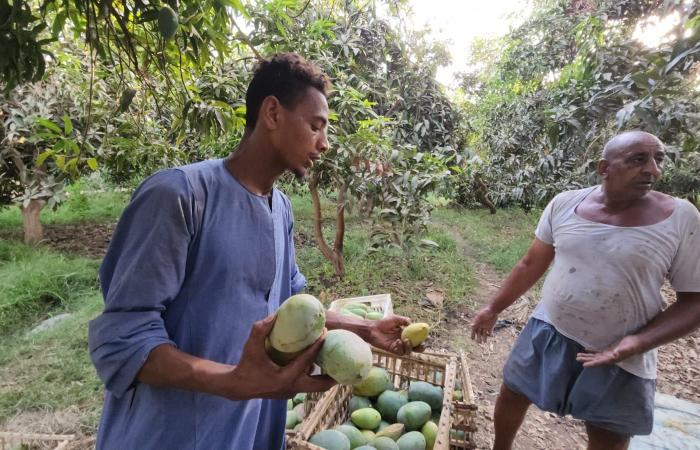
[(285, 76)]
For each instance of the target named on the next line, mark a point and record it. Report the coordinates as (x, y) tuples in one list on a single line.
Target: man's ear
[(602, 168), (270, 112)]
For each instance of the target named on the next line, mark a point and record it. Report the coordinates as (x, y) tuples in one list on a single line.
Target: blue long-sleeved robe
[(193, 262)]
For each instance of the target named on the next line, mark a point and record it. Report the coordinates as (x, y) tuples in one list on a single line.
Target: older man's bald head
[(628, 140)]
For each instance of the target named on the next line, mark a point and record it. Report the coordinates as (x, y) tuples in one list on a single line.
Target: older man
[(589, 349)]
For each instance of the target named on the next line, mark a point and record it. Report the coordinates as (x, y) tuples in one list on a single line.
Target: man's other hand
[(386, 334), (627, 347), (483, 323)]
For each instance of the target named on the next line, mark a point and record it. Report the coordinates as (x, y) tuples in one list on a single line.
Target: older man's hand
[(628, 346), (386, 334), (483, 323)]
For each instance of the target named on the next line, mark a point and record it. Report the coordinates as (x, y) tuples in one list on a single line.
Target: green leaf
[(92, 163), (67, 125), (49, 125), (42, 157)]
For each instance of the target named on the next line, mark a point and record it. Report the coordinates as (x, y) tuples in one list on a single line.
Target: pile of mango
[(361, 311), (295, 411), (383, 418)]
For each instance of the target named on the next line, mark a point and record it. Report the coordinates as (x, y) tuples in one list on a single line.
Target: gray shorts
[(542, 366)]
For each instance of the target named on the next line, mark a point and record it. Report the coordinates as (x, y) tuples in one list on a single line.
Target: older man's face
[(635, 169)]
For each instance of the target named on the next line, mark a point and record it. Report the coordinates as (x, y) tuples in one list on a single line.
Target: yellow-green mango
[(429, 431), (416, 333), (345, 357), (299, 323), (376, 382), (366, 418)]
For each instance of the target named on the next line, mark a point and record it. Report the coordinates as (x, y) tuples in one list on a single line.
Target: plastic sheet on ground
[(676, 426)]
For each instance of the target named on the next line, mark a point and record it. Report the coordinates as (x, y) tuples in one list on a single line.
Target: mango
[(374, 315), (345, 357), (384, 443), (369, 434), (353, 434), (290, 404), (167, 22), (414, 415), (301, 412), (292, 419), (365, 447), (393, 431), (357, 402), (331, 440), (426, 392), (366, 418), (429, 431), (376, 382), (389, 403), (383, 424), (299, 398), (457, 395), (299, 323), (359, 312), (416, 333), (412, 441)]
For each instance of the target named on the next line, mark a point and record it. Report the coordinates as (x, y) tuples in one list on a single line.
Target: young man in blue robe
[(201, 259)]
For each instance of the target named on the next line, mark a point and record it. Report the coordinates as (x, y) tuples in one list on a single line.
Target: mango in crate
[(331, 440), (426, 392), (358, 402), (353, 434), (429, 431), (414, 415), (412, 440), (376, 382), (384, 443), (393, 431), (389, 403), (366, 418), (416, 333), (292, 420), (374, 315)]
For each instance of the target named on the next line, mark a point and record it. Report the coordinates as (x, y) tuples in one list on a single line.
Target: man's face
[(634, 169), (301, 136)]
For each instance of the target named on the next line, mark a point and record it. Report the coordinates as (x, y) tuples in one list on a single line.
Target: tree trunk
[(483, 194), (335, 254), (33, 232)]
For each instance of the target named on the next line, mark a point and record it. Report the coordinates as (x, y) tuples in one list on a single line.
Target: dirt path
[(540, 430)]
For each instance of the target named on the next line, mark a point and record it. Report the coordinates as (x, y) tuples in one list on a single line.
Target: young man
[(200, 261), (589, 349)]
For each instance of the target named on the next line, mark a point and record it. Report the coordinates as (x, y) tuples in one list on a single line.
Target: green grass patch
[(405, 276), (35, 282), (499, 239), (79, 207), (51, 370)]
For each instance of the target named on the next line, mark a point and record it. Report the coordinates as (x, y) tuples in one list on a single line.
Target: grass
[(36, 282), (79, 207), (500, 239), (50, 371)]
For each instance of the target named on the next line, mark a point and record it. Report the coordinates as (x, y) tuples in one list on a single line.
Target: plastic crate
[(441, 369), (381, 303)]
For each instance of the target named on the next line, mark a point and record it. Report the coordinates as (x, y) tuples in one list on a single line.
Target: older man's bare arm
[(525, 274)]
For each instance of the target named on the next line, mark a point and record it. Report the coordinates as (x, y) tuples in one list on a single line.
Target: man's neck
[(613, 202), (253, 165)]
